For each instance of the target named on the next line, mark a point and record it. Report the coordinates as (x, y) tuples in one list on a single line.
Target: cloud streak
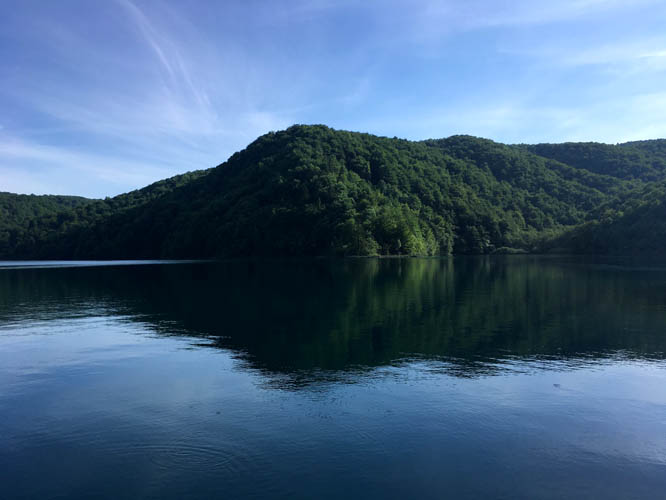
[(36, 163)]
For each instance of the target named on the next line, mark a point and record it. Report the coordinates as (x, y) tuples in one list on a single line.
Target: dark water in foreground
[(505, 377)]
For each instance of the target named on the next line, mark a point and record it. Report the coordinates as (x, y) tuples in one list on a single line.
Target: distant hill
[(312, 190), (30, 224), (637, 225), (24, 219), (645, 160)]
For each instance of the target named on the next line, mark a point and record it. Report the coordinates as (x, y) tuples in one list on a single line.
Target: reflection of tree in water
[(323, 319)]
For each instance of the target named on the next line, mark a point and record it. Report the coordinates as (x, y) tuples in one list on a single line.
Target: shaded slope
[(644, 160), (31, 226), (636, 226), (25, 219)]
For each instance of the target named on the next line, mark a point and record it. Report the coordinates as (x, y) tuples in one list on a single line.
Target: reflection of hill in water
[(299, 318)]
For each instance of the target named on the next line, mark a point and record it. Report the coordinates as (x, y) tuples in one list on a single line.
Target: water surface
[(502, 377)]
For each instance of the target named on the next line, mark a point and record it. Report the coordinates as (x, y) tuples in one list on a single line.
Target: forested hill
[(312, 190), (29, 222), (645, 160)]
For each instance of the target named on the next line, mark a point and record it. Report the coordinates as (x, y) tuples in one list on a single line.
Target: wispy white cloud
[(521, 12), (631, 53), (427, 20), (166, 50), (45, 165), (147, 89), (607, 120), (149, 34), (650, 110), (444, 16), (147, 125)]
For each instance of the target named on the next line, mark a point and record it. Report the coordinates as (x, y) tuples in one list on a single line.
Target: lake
[(472, 377)]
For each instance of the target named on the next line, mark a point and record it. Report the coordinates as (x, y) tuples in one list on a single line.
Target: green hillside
[(24, 219), (312, 190), (645, 160), (30, 223), (635, 226)]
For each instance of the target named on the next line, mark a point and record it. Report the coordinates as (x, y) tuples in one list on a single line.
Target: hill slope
[(644, 160), (312, 190), (635, 226), (23, 218), (29, 224)]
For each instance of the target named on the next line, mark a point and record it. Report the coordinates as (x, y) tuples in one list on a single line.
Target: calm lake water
[(504, 377)]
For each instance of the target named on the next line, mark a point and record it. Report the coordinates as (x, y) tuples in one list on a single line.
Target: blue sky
[(101, 97)]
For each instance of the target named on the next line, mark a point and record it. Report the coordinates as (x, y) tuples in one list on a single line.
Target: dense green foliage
[(24, 219), (635, 226), (645, 160), (29, 223), (311, 190)]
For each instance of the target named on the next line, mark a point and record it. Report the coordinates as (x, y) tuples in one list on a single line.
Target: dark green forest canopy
[(644, 160), (312, 190)]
